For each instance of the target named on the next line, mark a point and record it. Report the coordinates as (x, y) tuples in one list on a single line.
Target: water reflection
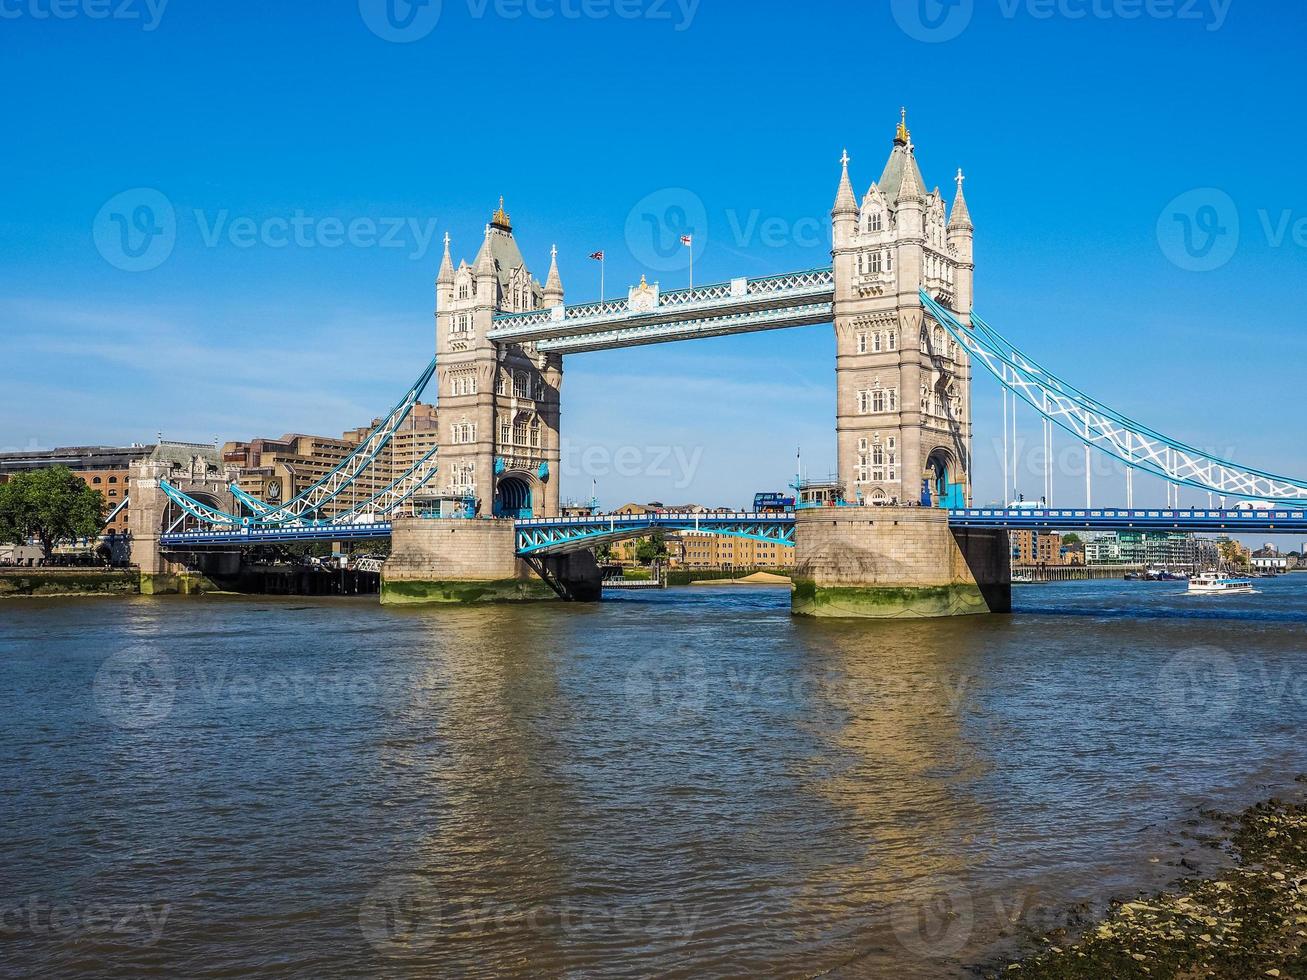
[(686, 783)]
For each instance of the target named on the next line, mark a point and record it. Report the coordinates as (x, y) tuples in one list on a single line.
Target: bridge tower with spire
[(903, 390), (499, 403)]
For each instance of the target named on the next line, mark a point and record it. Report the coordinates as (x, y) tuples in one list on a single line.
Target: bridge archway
[(514, 496), (946, 489)]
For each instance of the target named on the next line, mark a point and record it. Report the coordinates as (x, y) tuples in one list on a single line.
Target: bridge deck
[(561, 534)]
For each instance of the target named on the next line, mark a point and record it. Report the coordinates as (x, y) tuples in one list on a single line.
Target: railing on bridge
[(1142, 519), (563, 534), (807, 295)]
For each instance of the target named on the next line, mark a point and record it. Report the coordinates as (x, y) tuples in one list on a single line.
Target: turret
[(961, 240), (844, 215), (487, 278), (553, 295), (445, 279), (910, 223)]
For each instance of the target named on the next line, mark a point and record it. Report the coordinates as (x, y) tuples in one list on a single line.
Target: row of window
[(523, 386), (96, 480), (881, 260), (520, 434), (463, 432), (463, 384), (881, 340), (878, 461), (462, 478), (874, 401)]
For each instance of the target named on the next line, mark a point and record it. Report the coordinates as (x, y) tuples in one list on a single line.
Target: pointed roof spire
[(485, 260), (845, 202), (554, 282), (961, 217), (910, 189), (901, 135), (446, 265)]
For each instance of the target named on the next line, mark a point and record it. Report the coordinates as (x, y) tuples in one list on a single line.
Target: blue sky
[(1079, 125)]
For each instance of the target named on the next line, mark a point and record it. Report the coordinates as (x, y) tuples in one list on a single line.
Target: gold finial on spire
[(500, 217), (902, 135)]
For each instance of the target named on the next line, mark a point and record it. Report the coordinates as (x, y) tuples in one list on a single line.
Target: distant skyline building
[(277, 469), (1167, 548)]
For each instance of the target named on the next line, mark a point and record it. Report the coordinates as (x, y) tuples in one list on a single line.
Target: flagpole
[(601, 280)]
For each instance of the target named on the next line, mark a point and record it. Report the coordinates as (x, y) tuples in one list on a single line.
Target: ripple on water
[(682, 783)]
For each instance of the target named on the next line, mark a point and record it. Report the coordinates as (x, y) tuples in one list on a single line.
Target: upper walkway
[(649, 316)]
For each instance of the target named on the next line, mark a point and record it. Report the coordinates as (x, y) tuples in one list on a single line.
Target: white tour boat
[(1220, 583)]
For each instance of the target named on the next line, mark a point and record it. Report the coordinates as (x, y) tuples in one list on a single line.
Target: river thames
[(685, 783)]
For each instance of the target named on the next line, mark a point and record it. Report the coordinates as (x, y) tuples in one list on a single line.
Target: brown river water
[(687, 783)]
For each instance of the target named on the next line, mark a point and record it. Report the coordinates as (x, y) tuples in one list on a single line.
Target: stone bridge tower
[(903, 388), (498, 403)]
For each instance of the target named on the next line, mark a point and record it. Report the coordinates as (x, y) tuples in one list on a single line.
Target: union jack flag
[(597, 256)]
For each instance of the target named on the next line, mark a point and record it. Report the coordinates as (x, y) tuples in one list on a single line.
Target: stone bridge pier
[(199, 476), (453, 560), (896, 563)]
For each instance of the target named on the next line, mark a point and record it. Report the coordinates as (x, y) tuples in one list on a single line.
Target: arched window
[(877, 221)]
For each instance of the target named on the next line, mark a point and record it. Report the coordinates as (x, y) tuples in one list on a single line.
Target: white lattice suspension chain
[(1107, 430)]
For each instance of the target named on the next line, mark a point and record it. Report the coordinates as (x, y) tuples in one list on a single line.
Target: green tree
[(49, 505), (650, 548), (1071, 538)]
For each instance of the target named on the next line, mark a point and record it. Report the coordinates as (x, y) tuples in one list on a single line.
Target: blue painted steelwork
[(558, 535), (249, 536), (1139, 519), (331, 486), (1105, 429)]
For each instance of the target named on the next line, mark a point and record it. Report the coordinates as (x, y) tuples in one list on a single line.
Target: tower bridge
[(908, 541)]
